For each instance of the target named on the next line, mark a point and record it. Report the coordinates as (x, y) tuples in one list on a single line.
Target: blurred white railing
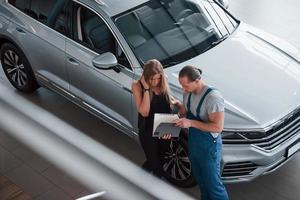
[(86, 160)]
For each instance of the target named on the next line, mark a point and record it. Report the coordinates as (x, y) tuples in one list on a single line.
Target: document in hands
[(164, 124)]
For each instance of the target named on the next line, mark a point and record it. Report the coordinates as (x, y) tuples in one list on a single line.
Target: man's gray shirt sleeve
[(215, 102)]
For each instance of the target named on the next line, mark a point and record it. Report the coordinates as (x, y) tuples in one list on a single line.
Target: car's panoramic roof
[(114, 7)]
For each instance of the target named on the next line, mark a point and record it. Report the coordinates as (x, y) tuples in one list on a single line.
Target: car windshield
[(173, 31)]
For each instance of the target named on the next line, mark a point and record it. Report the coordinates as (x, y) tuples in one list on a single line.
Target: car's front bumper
[(246, 162)]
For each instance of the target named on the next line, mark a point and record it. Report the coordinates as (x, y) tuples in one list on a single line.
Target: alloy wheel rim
[(176, 162), (15, 68)]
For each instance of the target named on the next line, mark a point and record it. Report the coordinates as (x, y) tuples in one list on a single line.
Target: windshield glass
[(173, 31)]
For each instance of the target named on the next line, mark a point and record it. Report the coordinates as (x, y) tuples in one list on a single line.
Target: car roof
[(114, 7)]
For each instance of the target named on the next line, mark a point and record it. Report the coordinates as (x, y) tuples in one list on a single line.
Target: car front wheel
[(176, 164)]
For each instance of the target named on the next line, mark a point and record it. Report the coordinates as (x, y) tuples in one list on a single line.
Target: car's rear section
[(13, 59)]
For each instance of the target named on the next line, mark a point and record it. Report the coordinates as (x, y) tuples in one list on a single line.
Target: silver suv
[(90, 51)]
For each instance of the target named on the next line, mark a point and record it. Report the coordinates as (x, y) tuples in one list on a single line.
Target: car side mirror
[(224, 3), (105, 61)]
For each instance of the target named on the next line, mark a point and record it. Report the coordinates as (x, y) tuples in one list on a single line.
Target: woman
[(151, 95)]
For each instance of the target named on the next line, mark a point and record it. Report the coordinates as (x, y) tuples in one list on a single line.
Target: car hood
[(258, 76)]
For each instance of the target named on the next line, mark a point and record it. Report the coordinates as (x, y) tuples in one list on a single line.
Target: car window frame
[(72, 36)]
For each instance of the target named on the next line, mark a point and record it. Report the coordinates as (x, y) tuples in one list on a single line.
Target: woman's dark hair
[(192, 73)]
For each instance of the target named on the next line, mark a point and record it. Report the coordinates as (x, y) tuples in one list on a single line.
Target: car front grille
[(277, 134), (238, 169), (289, 127)]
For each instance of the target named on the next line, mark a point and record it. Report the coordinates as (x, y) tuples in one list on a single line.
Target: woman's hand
[(181, 109), (144, 83), (166, 136), (174, 102)]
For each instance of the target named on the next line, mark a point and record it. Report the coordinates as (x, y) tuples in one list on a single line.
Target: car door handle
[(73, 61), (20, 30)]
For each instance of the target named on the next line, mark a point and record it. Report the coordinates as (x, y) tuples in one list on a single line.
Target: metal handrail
[(89, 162)]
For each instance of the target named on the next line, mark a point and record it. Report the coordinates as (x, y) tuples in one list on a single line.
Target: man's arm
[(215, 124)]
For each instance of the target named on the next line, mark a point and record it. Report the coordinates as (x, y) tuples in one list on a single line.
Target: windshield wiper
[(220, 40), (215, 43)]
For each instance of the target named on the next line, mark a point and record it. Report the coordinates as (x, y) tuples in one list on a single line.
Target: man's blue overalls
[(205, 155)]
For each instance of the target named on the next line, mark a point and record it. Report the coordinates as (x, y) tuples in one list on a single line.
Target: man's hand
[(183, 123), (214, 125)]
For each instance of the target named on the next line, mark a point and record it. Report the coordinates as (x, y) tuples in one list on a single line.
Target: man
[(204, 111)]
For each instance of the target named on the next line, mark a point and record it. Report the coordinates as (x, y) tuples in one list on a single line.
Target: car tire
[(17, 68), (177, 168)]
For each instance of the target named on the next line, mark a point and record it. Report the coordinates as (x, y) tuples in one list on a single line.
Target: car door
[(107, 92), (43, 45)]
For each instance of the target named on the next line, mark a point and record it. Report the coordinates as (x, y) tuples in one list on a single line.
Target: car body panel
[(259, 82), (39, 40), (103, 89)]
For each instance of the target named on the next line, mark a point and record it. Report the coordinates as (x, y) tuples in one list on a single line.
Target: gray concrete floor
[(25, 168)]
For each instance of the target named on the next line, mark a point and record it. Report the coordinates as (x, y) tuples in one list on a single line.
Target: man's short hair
[(192, 73)]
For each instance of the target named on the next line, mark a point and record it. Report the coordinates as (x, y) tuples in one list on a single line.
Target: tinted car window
[(58, 18), (95, 32), (41, 10), (22, 5), (48, 12), (90, 30)]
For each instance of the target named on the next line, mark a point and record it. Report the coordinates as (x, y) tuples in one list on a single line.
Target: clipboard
[(163, 124)]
